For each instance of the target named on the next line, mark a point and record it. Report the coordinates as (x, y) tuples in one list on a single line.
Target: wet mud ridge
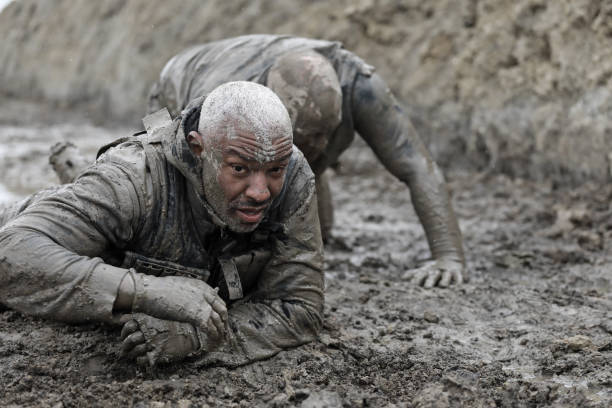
[(533, 327)]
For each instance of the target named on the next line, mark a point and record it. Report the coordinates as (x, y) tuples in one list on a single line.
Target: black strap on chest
[(226, 246)]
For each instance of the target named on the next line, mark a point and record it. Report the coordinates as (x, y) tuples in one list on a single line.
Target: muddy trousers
[(325, 205)]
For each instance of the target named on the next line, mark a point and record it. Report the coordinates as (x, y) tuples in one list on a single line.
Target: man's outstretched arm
[(384, 125)]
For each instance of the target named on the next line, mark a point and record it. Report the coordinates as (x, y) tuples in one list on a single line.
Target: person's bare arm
[(383, 124)]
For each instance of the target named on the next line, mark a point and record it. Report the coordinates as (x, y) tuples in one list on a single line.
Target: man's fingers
[(217, 323), (216, 327), (142, 360), (408, 275), (459, 277), (420, 276), (432, 279), (131, 341), (446, 279), (212, 331), (219, 306), (198, 315), (137, 351), (217, 316), (211, 295), (128, 328), (437, 273)]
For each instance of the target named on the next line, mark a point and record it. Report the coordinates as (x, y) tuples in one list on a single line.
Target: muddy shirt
[(368, 107), (137, 198)]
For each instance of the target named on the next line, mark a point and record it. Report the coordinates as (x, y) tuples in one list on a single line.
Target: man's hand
[(441, 272), (154, 341), (181, 300)]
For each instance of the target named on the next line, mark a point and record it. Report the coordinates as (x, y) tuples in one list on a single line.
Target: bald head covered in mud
[(200, 239), (308, 86), (244, 141)]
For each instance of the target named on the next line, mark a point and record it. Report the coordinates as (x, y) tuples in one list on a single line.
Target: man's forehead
[(260, 157), (237, 133), (252, 147)]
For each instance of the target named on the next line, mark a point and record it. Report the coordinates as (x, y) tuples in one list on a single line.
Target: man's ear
[(195, 142)]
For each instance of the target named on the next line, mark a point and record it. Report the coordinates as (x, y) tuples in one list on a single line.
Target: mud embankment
[(520, 86)]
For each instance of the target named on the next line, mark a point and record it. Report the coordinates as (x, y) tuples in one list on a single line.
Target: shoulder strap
[(155, 124), (114, 143)]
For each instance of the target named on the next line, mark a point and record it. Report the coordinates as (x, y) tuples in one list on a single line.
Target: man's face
[(250, 172)]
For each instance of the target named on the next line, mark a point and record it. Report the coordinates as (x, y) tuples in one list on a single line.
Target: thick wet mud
[(533, 327)]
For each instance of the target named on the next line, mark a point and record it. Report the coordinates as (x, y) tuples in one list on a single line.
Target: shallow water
[(7, 196), (24, 153)]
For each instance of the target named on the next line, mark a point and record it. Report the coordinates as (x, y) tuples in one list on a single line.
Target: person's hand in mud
[(174, 298), (440, 272), (151, 341)]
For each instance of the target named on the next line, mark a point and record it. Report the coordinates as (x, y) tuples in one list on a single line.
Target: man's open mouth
[(251, 215)]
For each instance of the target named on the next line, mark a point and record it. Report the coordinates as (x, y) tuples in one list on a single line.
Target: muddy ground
[(533, 327)]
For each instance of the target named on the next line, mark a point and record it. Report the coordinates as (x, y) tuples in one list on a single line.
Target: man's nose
[(258, 187)]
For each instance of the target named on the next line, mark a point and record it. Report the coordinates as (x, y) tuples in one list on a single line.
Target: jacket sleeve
[(384, 125), (286, 308), (49, 264)]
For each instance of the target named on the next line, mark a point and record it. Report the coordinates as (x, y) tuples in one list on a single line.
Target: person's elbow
[(307, 316), (9, 243), (311, 321)]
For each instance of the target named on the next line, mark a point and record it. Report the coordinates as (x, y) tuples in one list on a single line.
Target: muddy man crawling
[(330, 94), (200, 237)]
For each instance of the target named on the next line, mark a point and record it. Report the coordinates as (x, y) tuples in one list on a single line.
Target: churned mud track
[(533, 327)]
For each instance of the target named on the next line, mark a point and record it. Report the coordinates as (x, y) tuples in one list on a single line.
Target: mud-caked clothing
[(198, 70), (368, 108), (10, 211), (138, 206)]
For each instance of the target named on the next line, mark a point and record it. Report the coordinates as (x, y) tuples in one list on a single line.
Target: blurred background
[(521, 87)]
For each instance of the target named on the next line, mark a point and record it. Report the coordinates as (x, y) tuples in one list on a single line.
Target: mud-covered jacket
[(368, 108), (135, 207)]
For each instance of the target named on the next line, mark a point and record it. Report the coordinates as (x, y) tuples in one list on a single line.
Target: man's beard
[(245, 205), (215, 197), (228, 211)]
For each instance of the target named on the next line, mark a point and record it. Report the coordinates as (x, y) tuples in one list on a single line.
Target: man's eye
[(276, 170), (238, 169)]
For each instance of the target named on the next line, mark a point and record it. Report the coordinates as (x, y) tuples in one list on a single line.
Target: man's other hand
[(152, 341), (441, 272)]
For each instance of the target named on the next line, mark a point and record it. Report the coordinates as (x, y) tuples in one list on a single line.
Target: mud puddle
[(6, 196), (24, 153)]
